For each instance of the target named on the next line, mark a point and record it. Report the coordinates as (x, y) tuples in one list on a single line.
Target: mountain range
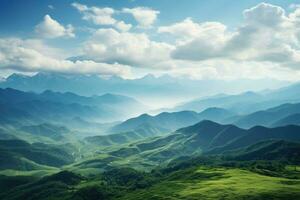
[(18, 106), (205, 137), (244, 103), (159, 89), (173, 120)]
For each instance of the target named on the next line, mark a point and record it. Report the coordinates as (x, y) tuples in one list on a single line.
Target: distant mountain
[(246, 102), (164, 88), (293, 119), (56, 133), (269, 117), (50, 106), (223, 101), (173, 121)]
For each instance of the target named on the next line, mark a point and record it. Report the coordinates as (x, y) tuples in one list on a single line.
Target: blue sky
[(19, 17), (135, 37)]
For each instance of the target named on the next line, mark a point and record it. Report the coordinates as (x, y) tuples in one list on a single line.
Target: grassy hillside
[(219, 183), (141, 132), (279, 150), (203, 179), (20, 155), (47, 130)]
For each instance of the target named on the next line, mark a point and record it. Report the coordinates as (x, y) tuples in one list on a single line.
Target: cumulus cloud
[(135, 49), (186, 29), (20, 55), (267, 42), (268, 34), (50, 28), (122, 26), (99, 16), (144, 16)]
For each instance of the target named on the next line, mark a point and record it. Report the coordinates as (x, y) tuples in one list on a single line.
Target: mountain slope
[(293, 119), (175, 120), (189, 141), (205, 137), (259, 134), (246, 102), (47, 130), (49, 106), (268, 117), (20, 155), (278, 150), (142, 132)]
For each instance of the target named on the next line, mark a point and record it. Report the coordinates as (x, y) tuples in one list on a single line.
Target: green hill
[(142, 132), (20, 155), (278, 150), (204, 137)]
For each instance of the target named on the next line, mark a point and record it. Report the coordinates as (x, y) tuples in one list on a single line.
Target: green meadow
[(219, 183)]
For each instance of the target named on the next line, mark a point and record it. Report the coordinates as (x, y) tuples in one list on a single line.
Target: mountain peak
[(15, 76), (204, 125)]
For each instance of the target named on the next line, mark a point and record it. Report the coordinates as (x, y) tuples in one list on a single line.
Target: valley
[(66, 146)]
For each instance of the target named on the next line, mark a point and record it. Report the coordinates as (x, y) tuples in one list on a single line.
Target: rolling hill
[(205, 137), (142, 132), (56, 133), (277, 150), (20, 155)]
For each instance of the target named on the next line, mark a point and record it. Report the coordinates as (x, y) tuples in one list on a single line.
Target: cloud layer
[(22, 56), (265, 44), (267, 35)]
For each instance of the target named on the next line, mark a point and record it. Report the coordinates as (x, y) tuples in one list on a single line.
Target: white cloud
[(98, 16), (185, 29), (265, 14), (19, 55), (122, 26), (51, 7), (135, 49), (267, 35), (265, 45), (50, 28), (144, 16), (101, 16)]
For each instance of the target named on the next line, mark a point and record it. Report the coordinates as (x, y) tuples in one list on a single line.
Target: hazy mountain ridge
[(52, 105), (163, 87), (247, 102), (270, 117), (174, 120)]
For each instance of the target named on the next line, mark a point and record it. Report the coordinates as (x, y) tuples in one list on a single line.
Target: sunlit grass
[(221, 183)]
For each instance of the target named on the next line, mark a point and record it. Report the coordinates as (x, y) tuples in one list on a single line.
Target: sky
[(199, 39)]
